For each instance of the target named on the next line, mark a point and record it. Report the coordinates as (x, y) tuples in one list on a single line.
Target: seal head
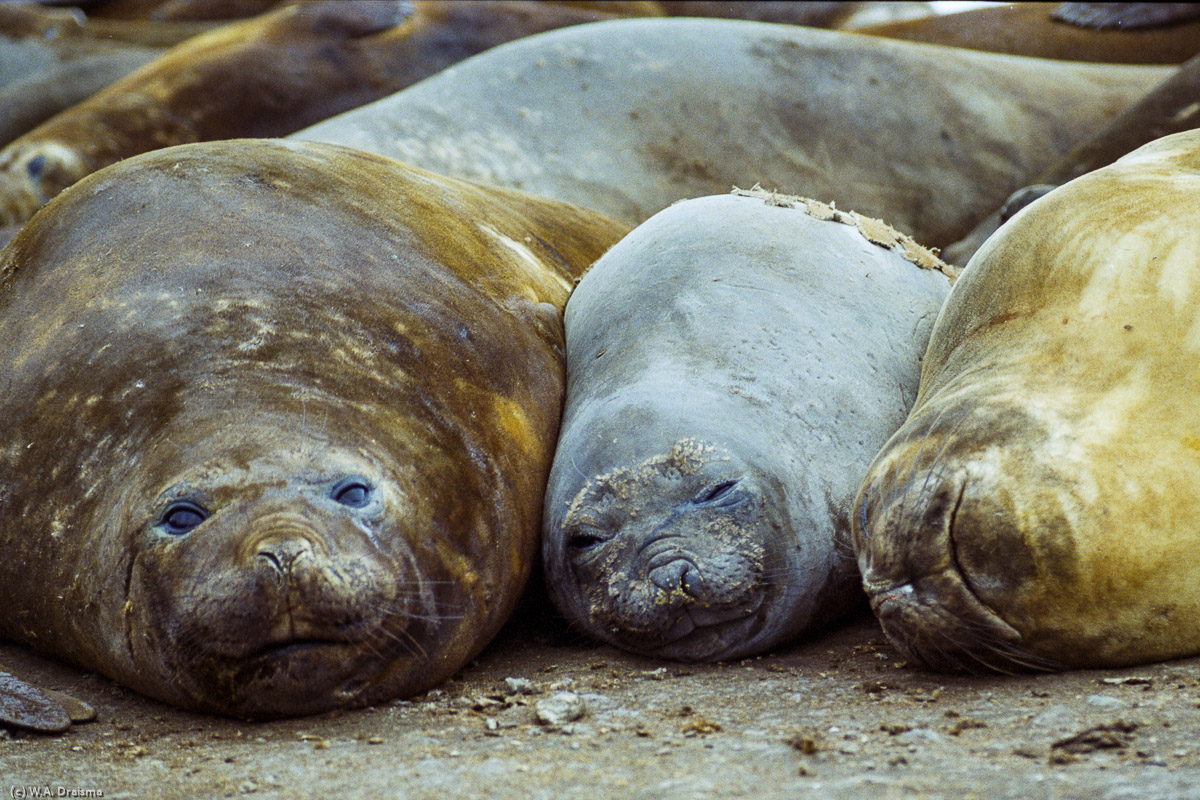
[(1037, 508), (727, 369), (278, 421)]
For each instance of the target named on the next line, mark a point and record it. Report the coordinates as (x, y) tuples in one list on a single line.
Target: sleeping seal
[(629, 116), (1039, 507), (733, 366), (278, 421)]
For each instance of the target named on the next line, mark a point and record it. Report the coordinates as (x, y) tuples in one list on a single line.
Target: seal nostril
[(272, 559), (282, 554), (672, 576)]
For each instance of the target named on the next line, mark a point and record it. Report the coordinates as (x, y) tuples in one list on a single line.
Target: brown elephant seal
[(1039, 506), (267, 76), (733, 366), (628, 116), (1038, 30), (278, 421)]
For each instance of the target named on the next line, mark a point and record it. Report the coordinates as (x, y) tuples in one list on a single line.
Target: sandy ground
[(837, 717)]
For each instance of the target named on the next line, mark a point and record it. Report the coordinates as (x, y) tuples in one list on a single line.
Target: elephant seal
[(628, 116), (1034, 29), (1170, 107), (267, 76), (733, 366), (278, 421), (1038, 508)]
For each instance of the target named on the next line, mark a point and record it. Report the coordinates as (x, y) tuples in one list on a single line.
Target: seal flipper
[(25, 706), (1125, 16)]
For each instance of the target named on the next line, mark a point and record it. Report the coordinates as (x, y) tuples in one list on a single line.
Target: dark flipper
[(26, 706), (1125, 16)]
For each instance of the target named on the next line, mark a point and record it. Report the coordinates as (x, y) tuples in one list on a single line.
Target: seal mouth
[(707, 634), (295, 648)]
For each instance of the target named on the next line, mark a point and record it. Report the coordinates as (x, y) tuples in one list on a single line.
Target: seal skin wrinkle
[(1038, 509), (278, 418), (733, 366)]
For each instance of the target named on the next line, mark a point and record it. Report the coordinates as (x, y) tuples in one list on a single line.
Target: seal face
[(279, 418), (1036, 510), (731, 374), (671, 554)]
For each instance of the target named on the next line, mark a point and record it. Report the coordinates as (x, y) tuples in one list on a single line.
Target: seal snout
[(280, 540), (909, 525)]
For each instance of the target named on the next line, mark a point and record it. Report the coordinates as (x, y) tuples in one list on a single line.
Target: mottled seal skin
[(1039, 506), (267, 76), (278, 420), (733, 366), (794, 109)]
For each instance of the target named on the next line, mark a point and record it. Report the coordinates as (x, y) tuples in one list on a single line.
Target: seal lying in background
[(278, 421), (733, 366), (1038, 30), (628, 116), (267, 76), (1170, 107), (1039, 507)]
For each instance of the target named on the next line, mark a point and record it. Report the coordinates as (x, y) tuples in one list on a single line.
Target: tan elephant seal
[(733, 364), (278, 421), (629, 116), (1039, 505)]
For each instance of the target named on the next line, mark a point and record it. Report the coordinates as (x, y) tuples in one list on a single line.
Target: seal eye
[(181, 517), (352, 492), (36, 166), (719, 495), (583, 540)]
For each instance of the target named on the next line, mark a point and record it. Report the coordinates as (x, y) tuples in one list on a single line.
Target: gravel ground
[(545, 713)]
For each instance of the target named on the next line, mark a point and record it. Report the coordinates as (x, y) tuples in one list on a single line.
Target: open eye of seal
[(181, 517), (36, 167), (352, 492)]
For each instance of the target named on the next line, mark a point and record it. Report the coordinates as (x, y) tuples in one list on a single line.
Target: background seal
[(629, 116)]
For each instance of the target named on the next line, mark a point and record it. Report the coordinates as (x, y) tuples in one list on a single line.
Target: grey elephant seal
[(278, 421), (629, 116), (733, 366), (1039, 506)]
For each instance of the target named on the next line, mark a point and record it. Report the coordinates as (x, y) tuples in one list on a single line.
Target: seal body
[(278, 421), (1039, 506), (629, 116), (1036, 29), (267, 76), (734, 364)]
